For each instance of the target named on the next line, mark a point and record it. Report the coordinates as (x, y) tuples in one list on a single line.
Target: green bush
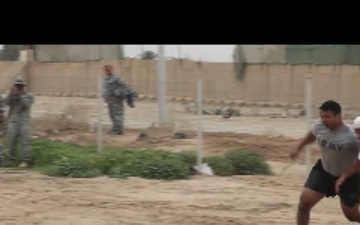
[(220, 166), (115, 157), (132, 167), (72, 160), (169, 168), (77, 166), (188, 157), (248, 163), (45, 152), (152, 164)]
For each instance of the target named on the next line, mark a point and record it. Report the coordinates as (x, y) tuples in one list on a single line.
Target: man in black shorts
[(335, 172)]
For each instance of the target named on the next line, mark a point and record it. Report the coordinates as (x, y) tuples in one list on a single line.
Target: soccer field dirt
[(31, 198)]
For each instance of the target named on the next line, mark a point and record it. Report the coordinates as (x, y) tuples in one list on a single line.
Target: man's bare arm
[(308, 139)]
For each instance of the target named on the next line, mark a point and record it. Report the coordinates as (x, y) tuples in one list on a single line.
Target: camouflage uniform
[(2, 111), (115, 90), (19, 123)]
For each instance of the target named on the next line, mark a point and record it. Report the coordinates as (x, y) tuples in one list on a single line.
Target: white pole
[(161, 85), (200, 128), (308, 105), (179, 51), (99, 115)]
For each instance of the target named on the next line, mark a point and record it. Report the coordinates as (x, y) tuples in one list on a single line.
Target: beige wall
[(77, 53), (263, 83), (9, 70)]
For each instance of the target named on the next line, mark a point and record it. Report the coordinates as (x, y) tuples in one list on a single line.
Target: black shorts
[(321, 181)]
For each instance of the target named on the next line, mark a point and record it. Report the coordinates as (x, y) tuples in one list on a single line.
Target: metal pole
[(179, 51), (99, 115), (308, 105), (161, 85), (200, 128)]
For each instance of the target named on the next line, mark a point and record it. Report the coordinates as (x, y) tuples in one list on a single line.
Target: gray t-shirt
[(339, 148)]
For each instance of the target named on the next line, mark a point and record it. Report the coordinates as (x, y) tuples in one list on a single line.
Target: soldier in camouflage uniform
[(2, 124), (19, 121), (115, 90)]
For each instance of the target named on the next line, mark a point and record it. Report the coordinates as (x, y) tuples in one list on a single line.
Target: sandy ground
[(31, 198)]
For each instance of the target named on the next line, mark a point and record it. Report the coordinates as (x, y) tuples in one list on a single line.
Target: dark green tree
[(148, 55)]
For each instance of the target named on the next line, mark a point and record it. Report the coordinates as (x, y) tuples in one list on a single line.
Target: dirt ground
[(31, 198)]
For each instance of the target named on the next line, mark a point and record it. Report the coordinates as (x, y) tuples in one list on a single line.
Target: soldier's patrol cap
[(19, 81)]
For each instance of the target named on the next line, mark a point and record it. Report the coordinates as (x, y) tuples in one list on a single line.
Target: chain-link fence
[(269, 100)]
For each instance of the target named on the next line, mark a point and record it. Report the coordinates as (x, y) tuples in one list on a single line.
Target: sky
[(207, 53)]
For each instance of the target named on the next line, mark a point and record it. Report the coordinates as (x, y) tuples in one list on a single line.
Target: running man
[(334, 173)]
